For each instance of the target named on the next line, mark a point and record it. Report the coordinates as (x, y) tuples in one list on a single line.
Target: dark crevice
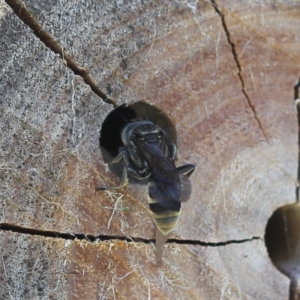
[(101, 237), (212, 244), (297, 102), (235, 57), (29, 19)]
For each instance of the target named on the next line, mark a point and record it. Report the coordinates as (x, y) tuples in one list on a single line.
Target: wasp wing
[(185, 188), (168, 195), (164, 187)]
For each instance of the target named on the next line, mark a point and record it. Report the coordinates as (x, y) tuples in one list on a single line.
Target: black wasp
[(149, 157)]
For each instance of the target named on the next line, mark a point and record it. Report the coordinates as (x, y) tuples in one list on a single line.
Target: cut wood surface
[(223, 72)]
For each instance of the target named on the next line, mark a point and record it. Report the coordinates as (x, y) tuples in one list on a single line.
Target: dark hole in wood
[(282, 238), (110, 135)]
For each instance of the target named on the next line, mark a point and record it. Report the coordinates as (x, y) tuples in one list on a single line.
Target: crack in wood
[(235, 57), (101, 237), (31, 21)]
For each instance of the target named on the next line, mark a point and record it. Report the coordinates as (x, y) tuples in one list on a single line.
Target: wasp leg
[(137, 174), (128, 170), (122, 154), (187, 169), (173, 151), (124, 179)]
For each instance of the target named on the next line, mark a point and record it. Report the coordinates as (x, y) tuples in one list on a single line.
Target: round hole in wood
[(110, 135)]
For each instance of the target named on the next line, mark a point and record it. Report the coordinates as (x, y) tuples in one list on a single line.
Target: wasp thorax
[(282, 239)]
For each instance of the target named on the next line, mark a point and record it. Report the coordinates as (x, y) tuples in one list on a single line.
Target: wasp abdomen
[(165, 219)]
